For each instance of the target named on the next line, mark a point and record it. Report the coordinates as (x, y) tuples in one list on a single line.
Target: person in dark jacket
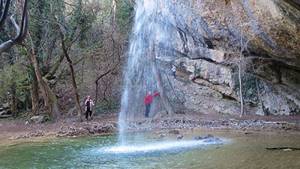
[(174, 71), (148, 101), (88, 107)]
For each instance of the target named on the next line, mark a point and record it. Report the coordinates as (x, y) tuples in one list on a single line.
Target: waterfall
[(151, 29), (161, 29)]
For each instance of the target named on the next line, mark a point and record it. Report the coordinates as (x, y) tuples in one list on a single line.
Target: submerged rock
[(209, 139), (161, 136), (212, 140), (204, 137), (180, 137)]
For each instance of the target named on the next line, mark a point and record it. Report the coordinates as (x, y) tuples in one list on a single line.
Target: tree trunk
[(49, 97), (73, 76), (21, 30), (14, 100), (241, 90), (99, 78), (240, 76), (97, 93), (6, 45), (34, 95), (164, 98), (55, 67)]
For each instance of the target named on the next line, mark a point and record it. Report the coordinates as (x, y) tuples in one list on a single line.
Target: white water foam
[(158, 146)]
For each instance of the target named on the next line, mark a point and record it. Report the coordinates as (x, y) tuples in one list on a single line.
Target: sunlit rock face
[(208, 39)]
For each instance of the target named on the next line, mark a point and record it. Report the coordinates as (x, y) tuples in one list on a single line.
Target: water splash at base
[(160, 146)]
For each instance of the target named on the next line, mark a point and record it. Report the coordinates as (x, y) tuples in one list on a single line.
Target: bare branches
[(21, 31), (1, 6), (24, 24), (73, 75), (3, 13), (13, 21)]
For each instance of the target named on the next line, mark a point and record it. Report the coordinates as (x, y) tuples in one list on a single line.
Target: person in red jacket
[(148, 101)]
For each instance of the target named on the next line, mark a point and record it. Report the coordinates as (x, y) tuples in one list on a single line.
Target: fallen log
[(283, 148)]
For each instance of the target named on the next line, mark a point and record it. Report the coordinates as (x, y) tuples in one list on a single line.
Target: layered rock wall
[(212, 38)]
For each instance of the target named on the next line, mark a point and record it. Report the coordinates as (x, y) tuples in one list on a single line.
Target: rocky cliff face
[(213, 39)]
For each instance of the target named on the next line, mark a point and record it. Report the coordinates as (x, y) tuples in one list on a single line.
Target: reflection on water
[(242, 152)]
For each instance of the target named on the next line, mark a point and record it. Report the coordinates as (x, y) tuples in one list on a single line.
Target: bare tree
[(240, 62), (50, 100), (115, 51), (73, 75), (3, 11), (34, 93), (99, 78), (21, 30), (244, 43)]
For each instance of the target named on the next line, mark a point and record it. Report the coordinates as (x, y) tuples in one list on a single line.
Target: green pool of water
[(240, 151)]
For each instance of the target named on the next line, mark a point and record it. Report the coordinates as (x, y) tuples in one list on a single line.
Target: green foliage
[(123, 15), (80, 20), (86, 28), (12, 76), (37, 13)]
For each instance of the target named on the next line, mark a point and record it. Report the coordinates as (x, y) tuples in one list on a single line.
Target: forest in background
[(70, 49)]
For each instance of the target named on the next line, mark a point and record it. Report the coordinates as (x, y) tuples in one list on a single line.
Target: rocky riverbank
[(105, 125), (14, 130), (231, 124)]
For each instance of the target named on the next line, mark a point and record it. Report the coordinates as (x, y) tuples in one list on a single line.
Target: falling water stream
[(151, 29)]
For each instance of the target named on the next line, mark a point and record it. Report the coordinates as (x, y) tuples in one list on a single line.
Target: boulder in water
[(204, 137), (180, 137), (161, 136), (209, 139), (212, 140)]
